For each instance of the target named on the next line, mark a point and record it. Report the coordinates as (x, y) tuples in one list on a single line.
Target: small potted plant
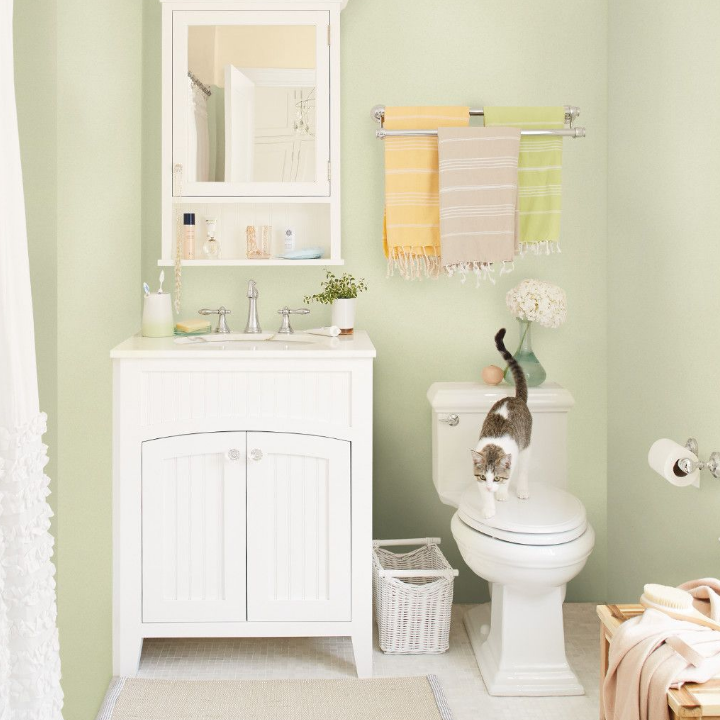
[(341, 293)]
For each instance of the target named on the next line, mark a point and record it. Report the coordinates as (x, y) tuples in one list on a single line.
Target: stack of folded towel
[(653, 652), (473, 198)]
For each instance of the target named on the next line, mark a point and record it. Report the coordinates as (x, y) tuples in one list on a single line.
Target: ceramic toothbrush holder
[(157, 319)]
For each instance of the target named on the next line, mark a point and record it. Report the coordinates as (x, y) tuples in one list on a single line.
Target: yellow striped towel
[(411, 233), (539, 173)]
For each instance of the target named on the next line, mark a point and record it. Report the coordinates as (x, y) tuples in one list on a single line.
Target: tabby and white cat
[(503, 450)]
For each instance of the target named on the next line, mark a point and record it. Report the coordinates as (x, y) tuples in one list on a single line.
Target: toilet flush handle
[(451, 420)]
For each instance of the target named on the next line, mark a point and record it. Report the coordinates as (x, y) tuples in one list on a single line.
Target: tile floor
[(263, 659)]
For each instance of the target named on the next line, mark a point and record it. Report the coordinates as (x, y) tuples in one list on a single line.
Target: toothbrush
[(675, 603), (146, 288), (162, 280)]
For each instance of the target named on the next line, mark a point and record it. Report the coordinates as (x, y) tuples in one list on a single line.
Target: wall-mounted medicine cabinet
[(251, 127)]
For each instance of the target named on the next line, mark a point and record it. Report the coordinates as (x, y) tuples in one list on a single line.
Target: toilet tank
[(451, 442)]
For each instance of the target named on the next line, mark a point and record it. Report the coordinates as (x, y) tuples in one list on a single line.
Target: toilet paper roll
[(663, 457)]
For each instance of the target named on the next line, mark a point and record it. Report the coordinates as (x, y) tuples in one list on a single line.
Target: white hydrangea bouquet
[(534, 301), (538, 301)]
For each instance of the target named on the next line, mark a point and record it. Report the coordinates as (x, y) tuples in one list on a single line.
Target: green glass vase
[(532, 369)]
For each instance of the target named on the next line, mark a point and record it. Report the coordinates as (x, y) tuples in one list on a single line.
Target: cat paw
[(523, 494), (487, 513), (501, 498)]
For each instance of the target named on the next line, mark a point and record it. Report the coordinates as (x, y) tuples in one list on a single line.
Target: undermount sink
[(250, 340)]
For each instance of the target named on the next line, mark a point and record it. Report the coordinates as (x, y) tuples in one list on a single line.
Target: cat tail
[(521, 390)]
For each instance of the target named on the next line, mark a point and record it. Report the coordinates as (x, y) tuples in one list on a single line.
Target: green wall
[(98, 163), (663, 287), (36, 93), (106, 146)]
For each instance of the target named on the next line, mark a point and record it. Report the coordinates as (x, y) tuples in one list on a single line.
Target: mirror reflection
[(251, 97)]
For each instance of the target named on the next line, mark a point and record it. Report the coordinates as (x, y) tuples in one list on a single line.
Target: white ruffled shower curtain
[(29, 652)]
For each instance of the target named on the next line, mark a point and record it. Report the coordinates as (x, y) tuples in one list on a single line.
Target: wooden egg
[(492, 375)]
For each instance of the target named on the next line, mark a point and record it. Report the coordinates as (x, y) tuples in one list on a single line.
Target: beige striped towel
[(478, 198), (411, 237)]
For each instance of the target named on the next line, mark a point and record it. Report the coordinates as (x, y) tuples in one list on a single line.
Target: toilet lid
[(550, 516)]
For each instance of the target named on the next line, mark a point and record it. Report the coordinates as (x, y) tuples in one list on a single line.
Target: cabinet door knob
[(256, 454), (233, 454)]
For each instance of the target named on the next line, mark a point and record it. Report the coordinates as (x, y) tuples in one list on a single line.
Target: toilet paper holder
[(689, 466)]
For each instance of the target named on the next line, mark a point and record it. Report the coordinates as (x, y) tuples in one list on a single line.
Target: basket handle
[(413, 541), (418, 573)]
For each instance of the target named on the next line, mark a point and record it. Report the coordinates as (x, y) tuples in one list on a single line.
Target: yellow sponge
[(196, 325)]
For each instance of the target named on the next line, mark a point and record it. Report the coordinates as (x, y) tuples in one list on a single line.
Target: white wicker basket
[(413, 597)]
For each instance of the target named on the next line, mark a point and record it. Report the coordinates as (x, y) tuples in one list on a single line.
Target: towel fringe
[(541, 247), (482, 270), (413, 264)]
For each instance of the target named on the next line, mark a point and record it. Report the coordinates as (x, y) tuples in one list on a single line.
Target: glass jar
[(258, 245)]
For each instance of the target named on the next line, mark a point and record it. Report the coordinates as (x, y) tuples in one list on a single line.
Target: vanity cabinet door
[(298, 534), (193, 528)]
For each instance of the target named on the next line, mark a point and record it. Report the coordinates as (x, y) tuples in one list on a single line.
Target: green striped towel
[(539, 173)]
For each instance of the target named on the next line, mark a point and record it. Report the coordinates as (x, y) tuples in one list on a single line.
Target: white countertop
[(299, 346)]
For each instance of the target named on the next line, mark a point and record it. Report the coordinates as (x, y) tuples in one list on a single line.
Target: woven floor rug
[(407, 698)]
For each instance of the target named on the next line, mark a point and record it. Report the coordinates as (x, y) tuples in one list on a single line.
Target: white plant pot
[(343, 315)]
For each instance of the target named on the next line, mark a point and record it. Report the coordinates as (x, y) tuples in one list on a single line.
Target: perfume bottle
[(211, 247)]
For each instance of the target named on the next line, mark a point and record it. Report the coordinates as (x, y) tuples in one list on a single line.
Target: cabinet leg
[(127, 656), (363, 651)]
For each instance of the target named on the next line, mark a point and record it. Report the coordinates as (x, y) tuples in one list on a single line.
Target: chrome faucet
[(222, 326), (253, 324), (286, 312)]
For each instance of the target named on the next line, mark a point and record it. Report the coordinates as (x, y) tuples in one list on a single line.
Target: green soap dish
[(179, 333)]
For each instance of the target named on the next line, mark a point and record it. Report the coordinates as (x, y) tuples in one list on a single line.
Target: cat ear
[(477, 457), (506, 462)]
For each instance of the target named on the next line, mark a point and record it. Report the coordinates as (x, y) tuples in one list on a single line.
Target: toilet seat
[(550, 516)]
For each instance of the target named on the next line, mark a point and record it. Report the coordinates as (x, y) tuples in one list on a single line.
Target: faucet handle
[(286, 312), (222, 311)]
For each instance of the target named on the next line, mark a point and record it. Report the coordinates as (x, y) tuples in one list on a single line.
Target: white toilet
[(528, 551)]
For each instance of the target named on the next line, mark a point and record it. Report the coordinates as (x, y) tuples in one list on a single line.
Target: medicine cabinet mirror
[(251, 102)]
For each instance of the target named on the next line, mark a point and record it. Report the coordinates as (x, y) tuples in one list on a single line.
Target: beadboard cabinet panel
[(169, 397), (193, 527), (299, 527)]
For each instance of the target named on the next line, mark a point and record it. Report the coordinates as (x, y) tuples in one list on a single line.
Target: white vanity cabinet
[(242, 492)]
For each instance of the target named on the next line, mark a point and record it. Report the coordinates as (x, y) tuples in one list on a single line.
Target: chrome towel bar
[(571, 113), (577, 132)]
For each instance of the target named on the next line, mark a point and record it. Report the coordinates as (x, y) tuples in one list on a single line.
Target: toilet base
[(537, 670)]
